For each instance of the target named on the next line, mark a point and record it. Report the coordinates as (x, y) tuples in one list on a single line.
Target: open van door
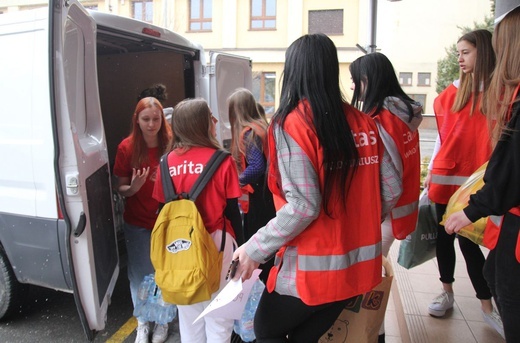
[(81, 162), (226, 73)]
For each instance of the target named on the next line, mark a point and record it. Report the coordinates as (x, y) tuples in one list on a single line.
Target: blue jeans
[(138, 249), (502, 272)]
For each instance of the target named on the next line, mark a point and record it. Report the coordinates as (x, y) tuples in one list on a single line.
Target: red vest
[(404, 214), (338, 257), (493, 227), (465, 146)]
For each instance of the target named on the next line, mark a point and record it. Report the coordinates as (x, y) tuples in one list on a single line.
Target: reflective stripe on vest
[(405, 210), (448, 180), (496, 220), (310, 263)]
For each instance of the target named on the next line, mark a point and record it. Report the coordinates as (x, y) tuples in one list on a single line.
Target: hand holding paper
[(230, 302)]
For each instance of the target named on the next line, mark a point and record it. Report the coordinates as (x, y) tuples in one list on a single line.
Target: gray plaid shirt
[(300, 185)]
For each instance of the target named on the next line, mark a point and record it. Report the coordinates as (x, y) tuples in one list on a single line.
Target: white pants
[(208, 329), (387, 238)]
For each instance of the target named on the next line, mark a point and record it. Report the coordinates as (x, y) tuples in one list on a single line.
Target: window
[(405, 79), (263, 14), (419, 98), (263, 90), (423, 79), (328, 21), (143, 10), (200, 15)]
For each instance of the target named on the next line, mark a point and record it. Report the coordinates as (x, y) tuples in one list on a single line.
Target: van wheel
[(10, 288)]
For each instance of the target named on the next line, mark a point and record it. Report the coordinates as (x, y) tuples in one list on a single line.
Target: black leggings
[(283, 318), (472, 254)]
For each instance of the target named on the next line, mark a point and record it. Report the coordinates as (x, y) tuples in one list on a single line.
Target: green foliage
[(448, 67)]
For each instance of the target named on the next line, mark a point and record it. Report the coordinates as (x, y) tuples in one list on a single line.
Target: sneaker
[(495, 321), (441, 304), (143, 331), (160, 333)]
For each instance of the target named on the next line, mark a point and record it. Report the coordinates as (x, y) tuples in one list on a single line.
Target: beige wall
[(412, 33)]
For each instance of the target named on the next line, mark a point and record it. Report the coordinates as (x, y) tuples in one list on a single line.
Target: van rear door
[(226, 73), (81, 161)]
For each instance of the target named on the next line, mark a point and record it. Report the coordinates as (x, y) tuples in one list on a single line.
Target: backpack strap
[(212, 165), (167, 182), (214, 162)]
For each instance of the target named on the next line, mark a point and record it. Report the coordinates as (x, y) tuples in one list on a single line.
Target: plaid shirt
[(300, 184)]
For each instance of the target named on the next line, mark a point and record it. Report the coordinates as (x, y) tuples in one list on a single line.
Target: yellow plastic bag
[(459, 200)]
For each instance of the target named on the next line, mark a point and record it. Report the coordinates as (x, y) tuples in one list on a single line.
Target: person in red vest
[(377, 93), (464, 146), (249, 148), (324, 170), (499, 198)]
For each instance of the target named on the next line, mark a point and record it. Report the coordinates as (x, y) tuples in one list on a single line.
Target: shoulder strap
[(212, 165), (167, 183)]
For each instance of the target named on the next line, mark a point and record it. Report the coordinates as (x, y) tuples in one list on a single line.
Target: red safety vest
[(493, 227), (338, 257), (465, 146), (404, 214), (248, 189)]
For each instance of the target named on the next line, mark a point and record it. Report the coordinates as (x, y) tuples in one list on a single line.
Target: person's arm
[(232, 213), (391, 184), (501, 190), (256, 163), (128, 186), (300, 186), (391, 171), (436, 148)]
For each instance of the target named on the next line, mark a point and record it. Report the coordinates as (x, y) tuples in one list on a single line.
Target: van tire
[(10, 288)]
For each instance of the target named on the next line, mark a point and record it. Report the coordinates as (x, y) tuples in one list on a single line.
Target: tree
[(448, 67)]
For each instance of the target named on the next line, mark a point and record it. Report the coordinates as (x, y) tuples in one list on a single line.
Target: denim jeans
[(502, 272), (138, 249)]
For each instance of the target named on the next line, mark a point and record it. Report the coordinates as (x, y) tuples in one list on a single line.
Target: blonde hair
[(243, 113), (192, 125), (506, 77)]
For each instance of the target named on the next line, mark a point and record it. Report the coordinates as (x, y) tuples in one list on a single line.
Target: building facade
[(412, 33)]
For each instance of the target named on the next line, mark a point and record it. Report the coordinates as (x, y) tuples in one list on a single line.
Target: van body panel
[(227, 73), (82, 164), (25, 122), (34, 245)]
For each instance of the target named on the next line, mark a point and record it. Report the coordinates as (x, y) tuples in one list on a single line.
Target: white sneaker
[(495, 321), (143, 331), (441, 304), (160, 333)]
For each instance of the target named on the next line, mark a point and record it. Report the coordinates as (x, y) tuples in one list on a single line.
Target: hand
[(427, 180), (139, 177), (455, 222), (246, 265)]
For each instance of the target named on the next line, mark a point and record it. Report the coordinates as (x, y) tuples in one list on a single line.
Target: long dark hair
[(374, 80), (311, 73)]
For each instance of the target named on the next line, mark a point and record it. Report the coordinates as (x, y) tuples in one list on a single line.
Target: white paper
[(231, 300)]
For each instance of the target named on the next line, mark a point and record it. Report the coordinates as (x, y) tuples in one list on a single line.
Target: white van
[(70, 81)]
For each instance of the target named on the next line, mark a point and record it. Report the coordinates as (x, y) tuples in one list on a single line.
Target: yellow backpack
[(186, 261)]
